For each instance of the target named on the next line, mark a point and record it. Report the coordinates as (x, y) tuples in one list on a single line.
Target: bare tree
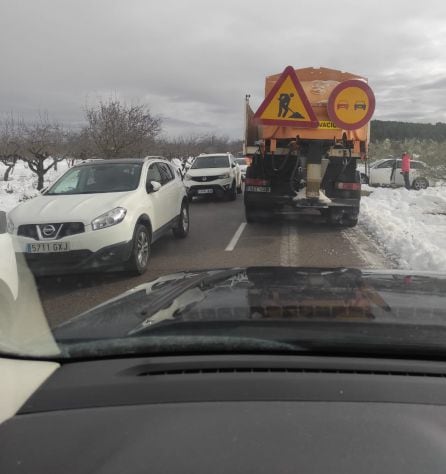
[(192, 145), (79, 146), (42, 146), (119, 130), (10, 145)]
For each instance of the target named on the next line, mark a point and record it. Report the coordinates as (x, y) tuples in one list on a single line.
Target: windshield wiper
[(165, 300)]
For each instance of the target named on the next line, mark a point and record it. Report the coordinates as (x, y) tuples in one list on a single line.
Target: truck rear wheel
[(251, 215), (258, 214), (350, 221), (342, 219)]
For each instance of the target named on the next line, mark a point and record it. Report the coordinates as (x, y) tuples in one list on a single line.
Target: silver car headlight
[(113, 217), (224, 176), (188, 177)]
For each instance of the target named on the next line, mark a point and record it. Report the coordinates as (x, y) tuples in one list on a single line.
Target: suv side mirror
[(153, 186), (3, 222), (233, 165)]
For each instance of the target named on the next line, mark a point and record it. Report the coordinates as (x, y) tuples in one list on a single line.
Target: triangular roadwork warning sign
[(286, 104)]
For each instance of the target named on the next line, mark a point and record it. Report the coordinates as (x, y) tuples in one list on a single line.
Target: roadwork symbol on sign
[(286, 104)]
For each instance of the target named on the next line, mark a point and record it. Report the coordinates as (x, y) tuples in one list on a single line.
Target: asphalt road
[(219, 237)]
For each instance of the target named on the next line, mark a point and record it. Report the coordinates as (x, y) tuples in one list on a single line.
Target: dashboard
[(221, 414)]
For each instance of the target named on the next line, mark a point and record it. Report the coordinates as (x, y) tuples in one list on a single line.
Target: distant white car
[(103, 214), (387, 172), (215, 174), (188, 163), (243, 164)]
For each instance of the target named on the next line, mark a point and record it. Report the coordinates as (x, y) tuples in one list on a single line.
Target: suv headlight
[(224, 176), (188, 177), (9, 225), (113, 217)]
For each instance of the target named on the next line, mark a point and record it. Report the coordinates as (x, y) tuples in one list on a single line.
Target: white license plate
[(258, 189), (205, 191), (48, 247)]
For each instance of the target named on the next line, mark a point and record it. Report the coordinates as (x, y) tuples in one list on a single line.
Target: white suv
[(9, 279), (102, 214), (215, 174)]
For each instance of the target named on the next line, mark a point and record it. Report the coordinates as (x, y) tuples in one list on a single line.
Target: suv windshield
[(211, 162), (91, 179)]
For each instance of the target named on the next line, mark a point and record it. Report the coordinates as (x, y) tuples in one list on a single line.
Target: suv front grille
[(65, 229), (204, 179)]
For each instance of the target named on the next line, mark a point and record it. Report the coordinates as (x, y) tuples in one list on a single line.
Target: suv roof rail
[(87, 160), (155, 157)]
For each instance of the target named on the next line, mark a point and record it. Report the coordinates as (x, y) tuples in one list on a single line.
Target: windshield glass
[(211, 162), (215, 177), (91, 179)]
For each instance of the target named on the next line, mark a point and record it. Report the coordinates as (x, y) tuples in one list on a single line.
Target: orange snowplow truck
[(305, 140)]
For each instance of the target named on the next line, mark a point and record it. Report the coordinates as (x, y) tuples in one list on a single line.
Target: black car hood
[(265, 293)]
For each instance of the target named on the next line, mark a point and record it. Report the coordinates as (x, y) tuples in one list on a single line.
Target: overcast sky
[(193, 61)]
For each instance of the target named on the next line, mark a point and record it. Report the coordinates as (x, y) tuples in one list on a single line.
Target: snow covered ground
[(22, 184), (409, 225)]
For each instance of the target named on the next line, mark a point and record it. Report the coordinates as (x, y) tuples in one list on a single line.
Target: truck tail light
[(256, 182), (348, 186)]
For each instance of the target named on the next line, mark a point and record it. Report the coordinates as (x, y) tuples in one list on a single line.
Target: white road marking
[(289, 246), (368, 249), (236, 237)]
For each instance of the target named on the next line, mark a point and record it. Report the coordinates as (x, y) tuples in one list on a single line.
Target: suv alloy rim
[(142, 249), (185, 219)]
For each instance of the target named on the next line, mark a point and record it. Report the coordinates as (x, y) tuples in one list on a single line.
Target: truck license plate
[(258, 189), (48, 247), (205, 191)]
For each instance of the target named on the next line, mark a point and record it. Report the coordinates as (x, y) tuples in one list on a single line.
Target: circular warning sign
[(351, 104)]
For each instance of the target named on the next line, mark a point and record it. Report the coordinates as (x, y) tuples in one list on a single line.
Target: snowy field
[(22, 184), (410, 226)]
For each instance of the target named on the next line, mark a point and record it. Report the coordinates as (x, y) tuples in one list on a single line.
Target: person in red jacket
[(405, 169)]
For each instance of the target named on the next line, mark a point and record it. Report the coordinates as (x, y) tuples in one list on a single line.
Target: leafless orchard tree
[(10, 145), (119, 130), (42, 146), (79, 146)]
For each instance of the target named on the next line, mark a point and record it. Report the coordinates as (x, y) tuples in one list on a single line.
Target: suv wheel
[(181, 230), (233, 192), (139, 258)]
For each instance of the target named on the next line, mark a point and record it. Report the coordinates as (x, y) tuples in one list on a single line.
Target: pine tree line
[(392, 130)]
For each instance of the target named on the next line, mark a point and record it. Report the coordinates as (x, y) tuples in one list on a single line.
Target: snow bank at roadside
[(22, 184), (410, 225)]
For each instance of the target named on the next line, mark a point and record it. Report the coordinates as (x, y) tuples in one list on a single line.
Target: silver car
[(387, 172)]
